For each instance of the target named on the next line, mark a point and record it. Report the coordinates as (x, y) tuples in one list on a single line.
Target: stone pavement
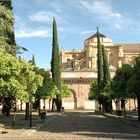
[(78, 125), (131, 120)]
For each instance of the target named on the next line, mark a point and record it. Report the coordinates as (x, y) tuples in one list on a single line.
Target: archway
[(70, 102)]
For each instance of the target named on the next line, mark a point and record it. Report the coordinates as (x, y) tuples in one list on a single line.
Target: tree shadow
[(91, 125), (6, 122), (87, 124)]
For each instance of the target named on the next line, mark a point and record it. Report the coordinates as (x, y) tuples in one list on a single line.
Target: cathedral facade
[(79, 68)]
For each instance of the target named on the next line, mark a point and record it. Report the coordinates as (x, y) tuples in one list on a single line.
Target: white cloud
[(24, 31), (27, 34), (104, 11), (42, 16), (45, 16), (101, 7), (87, 32)]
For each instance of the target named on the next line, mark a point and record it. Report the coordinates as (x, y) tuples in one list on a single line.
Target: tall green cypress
[(33, 60), (99, 62), (55, 64), (106, 74)]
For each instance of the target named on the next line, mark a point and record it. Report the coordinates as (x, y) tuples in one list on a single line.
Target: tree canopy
[(7, 36), (17, 77), (120, 81), (48, 86)]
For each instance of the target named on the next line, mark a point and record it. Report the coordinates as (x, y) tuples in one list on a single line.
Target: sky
[(76, 21)]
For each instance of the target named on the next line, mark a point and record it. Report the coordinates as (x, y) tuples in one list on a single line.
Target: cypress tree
[(100, 69), (106, 102), (55, 64), (99, 62), (33, 60), (106, 74)]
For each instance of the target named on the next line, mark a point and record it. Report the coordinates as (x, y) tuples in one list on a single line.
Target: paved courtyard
[(81, 125)]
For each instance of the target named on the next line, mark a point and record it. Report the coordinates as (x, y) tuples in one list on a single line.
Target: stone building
[(79, 68)]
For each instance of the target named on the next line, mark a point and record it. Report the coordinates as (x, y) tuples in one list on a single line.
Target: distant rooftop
[(95, 36), (92, 40), (131, 48)]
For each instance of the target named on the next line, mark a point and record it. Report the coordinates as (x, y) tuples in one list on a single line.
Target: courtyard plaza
[(69, 125)]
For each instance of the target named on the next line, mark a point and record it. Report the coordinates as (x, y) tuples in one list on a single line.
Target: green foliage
[(94, 91), (119, 82), (105, 92), (99, 62), (33, 61), (135, 81), (6, 3), (133, 85), (55, 62), (48, 88), (106, 74), (101, 88), (55, 66), (7, 36), (65, 92), (17, 77)]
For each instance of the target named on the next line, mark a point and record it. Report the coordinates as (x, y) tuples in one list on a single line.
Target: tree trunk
[(123, 102), (59, 105), (53, 104), (30, 112), (20, 105), (117, 104), (27, 111), (49, 104), (139, 108), (39, 110), (44, 103), (14, 115), (135, 104)]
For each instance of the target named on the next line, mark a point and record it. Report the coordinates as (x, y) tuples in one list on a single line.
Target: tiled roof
[(131, 48), (95, 35)]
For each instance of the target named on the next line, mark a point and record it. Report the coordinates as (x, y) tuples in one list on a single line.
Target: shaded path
[(86, 125), (80, 125)]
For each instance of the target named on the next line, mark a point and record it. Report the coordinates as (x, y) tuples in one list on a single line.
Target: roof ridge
[(95, 35)]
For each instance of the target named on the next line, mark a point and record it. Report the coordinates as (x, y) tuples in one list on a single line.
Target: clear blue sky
[(76, 21)]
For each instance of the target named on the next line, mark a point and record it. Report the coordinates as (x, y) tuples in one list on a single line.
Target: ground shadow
[(90, 124), (79, 123), (20, 122)]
